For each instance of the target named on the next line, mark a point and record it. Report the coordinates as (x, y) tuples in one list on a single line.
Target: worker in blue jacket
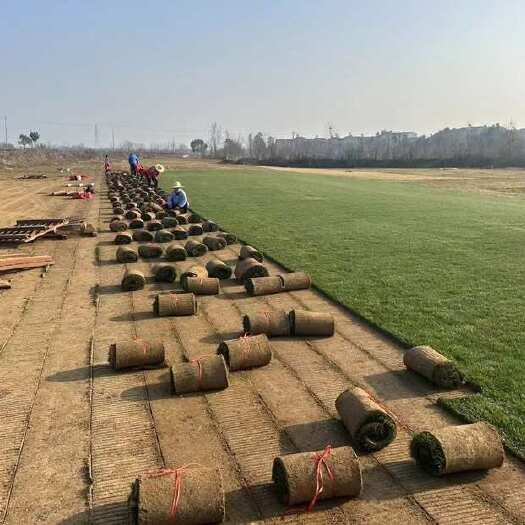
[(133, 160), (177, 199)]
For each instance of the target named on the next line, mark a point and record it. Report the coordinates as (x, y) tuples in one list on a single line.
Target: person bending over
[(151, 174), (133, 160), (177, 199)]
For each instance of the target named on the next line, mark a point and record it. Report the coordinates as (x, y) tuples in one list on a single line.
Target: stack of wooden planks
[(24, 262)]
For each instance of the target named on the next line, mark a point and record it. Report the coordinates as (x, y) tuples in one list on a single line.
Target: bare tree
[(215, 138)]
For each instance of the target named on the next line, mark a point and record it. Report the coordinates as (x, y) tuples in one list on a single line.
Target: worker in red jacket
[(151, 174)]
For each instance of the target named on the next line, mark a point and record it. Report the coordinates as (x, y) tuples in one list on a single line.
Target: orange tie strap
[(245, 346), (320, 462), (143, 344), (199, 364)]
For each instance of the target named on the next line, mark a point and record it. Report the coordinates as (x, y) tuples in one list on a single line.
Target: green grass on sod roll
[(432, 266)]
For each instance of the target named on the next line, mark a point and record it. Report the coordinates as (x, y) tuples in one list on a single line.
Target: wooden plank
[(25, 266)]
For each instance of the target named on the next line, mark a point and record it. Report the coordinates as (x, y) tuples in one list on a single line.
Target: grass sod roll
[(175, 304), (246, 352), (123, 238), (118, 225), (137, 353), (119, 210), (249, 269), (125, 254), (370, 426), (214, 243), (133, 280), (154, 225), (304, 323), (164, 236), (150, 251), (164, 273), (477, 446), (193, 218), (429, 363), (218, 269), (182, 219), (170, 222), (264, 285), (230, 238), (210, 226), (179, 233), (295, 281), (295, 475), (195, 229), (175, 252), (193, 271), (133, 214), (204, 373), (131, 205), (143, 236), (136, 224), (148, 216), (249, 252), (195, 248), (200, 499), (273, 324), (160, 215), (202, 285)]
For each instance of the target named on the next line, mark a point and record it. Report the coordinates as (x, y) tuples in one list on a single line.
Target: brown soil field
[(75, 434)]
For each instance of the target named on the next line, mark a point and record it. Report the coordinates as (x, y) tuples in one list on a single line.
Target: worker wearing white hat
[(177, 199)]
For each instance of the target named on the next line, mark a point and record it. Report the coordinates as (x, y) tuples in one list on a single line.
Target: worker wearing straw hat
[(152, 174), (177, 199)]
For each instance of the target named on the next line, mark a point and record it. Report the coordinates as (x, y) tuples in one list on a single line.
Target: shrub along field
[(432, 266)]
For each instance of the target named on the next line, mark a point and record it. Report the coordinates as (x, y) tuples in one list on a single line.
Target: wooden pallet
[(28, 230)]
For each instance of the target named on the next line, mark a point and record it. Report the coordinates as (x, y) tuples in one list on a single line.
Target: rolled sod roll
[(370, 426), (154, 225), (118, 226), (297, 477), (249, 269), (155, 207), (163, 236), (174, 252), (197, 491), (129, 354), (164, 273), (264, 285), (131, 205), (193, 218), (210, 226), (214, 243), (246, 352), (425, 361), (182, 219), (195, 248), (119, 210), (170, 222), (194, 271), (143, 236), (303, 322), (123, 238), (230, 238), (125, 254), (295, 281), (136, 224), (458, 448), (133, 280), (175, 304), (249, 252), (218, 269), (195, 229), (133, 214), (202, 286), (270, 323), (148, 216), (150, 251), (161, 215), (179, 233), (204, 373)]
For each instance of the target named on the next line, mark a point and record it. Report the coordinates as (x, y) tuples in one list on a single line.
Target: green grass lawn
[(431, 266)]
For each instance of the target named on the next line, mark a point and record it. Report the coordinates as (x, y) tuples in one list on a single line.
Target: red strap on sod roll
[(320, 462), (199, 364)]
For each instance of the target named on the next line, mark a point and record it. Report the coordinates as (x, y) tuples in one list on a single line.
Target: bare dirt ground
[(75, 434)]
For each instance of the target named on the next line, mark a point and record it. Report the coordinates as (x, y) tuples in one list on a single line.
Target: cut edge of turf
[(457, 406)]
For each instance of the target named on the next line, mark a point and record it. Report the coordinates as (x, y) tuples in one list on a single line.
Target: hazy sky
[(162, 69)]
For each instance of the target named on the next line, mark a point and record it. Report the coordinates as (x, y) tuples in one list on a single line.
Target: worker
[(177, 199), (151, 174), (133, 160), (107, 165)]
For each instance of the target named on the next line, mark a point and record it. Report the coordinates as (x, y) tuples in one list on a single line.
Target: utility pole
[(96, 136), (113, 137), (5, 129)]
